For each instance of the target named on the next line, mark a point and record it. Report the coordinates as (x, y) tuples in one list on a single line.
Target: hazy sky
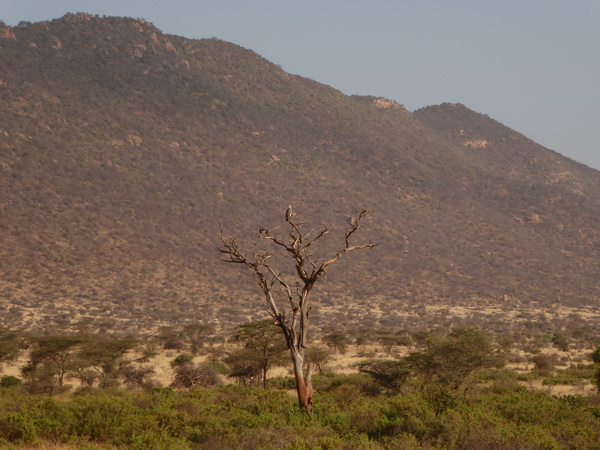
[(533, 65)]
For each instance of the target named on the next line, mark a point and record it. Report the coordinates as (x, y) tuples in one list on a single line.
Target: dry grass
[(413, 317)]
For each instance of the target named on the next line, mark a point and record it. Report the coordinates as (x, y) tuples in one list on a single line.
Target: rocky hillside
[(122, 150)]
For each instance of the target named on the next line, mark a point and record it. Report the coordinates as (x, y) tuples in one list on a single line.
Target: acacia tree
[(291, 238), (56, 353), (337, 341), (449, 360), (263, 349), (107, 356)]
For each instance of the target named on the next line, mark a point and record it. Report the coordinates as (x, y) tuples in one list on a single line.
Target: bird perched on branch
[(288, 213)]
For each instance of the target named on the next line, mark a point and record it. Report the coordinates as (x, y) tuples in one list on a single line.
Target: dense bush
[(495, 414), (8, 381)]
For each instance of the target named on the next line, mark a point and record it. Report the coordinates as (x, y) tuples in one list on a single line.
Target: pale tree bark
[(293, 316)]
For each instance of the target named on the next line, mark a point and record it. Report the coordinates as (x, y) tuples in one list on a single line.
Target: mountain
[(123, 149)]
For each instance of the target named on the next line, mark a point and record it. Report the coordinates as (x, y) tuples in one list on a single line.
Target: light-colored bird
[(288, 213)]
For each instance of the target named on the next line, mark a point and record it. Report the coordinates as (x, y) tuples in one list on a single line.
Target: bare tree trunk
[(303, 382)]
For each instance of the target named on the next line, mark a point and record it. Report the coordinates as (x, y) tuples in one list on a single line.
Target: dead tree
[(293, 318)]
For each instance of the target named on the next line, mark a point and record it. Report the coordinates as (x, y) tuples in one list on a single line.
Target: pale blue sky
[(534, 65)]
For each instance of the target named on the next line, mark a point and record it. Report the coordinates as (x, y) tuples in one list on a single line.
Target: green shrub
[(17, 428), (559, 380), (8, 381), (218, 366), (596, 355), (543, 363), (232, 416), (283, 383)]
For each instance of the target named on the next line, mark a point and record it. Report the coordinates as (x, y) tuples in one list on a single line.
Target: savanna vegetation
[(458, 390), (351, 412), (120, 147)]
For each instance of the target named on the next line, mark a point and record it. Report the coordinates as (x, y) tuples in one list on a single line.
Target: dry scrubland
[(534, 388), (530, 327), (342, 313), (518, 361), (122, 156), (119, 159)]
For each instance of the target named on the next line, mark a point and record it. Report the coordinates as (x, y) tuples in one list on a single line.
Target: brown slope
[(534, 184), (123, 148)]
